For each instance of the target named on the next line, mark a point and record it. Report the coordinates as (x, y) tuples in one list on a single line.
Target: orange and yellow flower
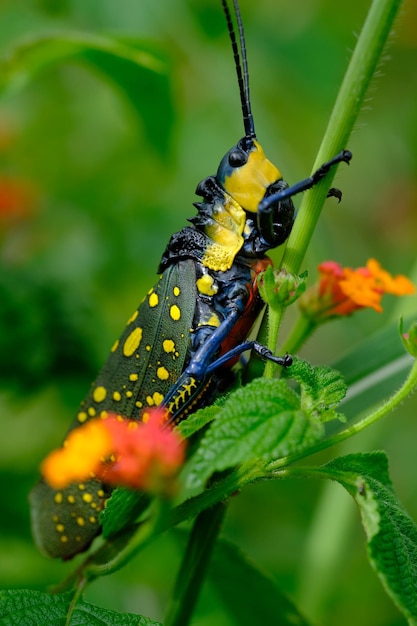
[(80, 457), (120, 452), (343, 290)]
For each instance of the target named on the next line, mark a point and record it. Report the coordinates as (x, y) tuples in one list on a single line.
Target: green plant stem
[(349, 101), (194, 565), (274, 322), (392, 402), (365, 58), (80, 588)]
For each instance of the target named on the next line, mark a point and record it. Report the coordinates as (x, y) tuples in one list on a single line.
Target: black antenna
[(242, 77)]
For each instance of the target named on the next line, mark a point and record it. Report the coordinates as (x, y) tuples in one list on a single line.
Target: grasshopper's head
[(246, 174), (249, 177)]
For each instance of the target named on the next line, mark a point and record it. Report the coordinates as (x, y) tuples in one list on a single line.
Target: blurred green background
[(98, 168)]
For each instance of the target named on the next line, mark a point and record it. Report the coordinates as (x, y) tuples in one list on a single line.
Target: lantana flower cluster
[(341, 291), (120, 452)]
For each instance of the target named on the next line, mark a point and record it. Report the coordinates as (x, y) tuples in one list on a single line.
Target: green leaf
[(139, 70), (322, 388), (390, 532), (122, 509), (196, 421), (259, 421), (231, 573), (22, 606)]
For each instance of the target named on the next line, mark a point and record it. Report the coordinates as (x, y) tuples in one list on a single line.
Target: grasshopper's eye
[(237, 158)]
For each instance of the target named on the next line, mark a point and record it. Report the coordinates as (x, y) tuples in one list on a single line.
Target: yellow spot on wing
[(99, 394), (132, 318), (115, 346), (168, 345), (177, 291), (175, 312), (132, 342), (153, 299), (155, 399), (58, 498), (117, 396), (162, 373)]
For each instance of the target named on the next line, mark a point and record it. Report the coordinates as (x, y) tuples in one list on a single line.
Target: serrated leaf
[(122, 509), (231, 573), (391, 533), (26, 607), (140, 71), (260, 421), (197, 421), (322, 388)]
